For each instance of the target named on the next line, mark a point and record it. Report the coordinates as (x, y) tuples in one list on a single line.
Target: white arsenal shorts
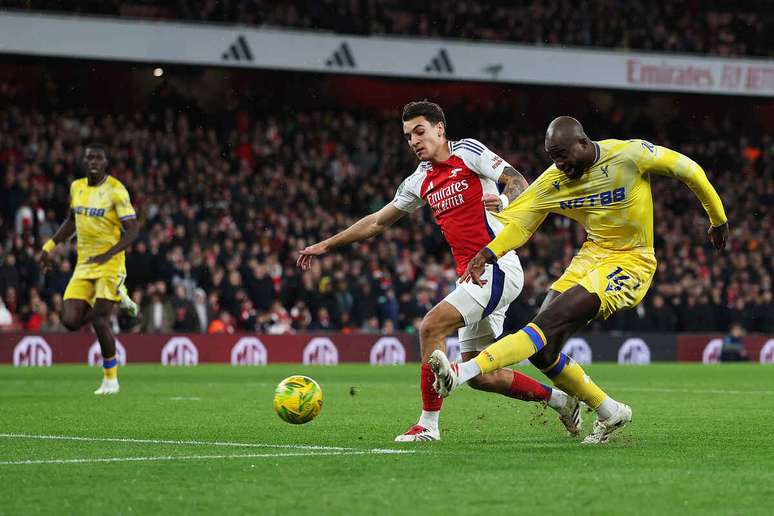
[(483, 308)]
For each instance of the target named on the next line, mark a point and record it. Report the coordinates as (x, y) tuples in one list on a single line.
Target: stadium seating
[(226, 201), (714, 27)]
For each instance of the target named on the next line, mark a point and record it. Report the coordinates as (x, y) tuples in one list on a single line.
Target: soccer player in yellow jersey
[(605, 186), (104, 222)]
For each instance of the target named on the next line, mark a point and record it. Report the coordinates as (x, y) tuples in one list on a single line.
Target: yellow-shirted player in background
[(104, 222), (606, 187)]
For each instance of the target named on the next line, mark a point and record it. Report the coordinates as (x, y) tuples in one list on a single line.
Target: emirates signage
[(425, 58)]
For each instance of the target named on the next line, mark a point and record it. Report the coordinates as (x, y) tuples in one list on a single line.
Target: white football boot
[(446, 374), (109, 386), (418, 433), (570, 415), (604, 429)]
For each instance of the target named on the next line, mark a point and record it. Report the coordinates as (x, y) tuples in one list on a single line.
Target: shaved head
[(568, 146), (564, 130)]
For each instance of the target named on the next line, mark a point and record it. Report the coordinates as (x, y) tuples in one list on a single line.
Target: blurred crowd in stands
[(719, 27), (225, 203)]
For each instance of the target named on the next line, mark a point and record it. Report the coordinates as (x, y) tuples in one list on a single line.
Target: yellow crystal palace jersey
[(612, 199), (99, 211)]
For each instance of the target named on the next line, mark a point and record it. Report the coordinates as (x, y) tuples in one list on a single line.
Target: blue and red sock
[(526, 388)]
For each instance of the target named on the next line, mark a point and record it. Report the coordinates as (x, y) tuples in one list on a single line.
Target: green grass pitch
[(205, 440)]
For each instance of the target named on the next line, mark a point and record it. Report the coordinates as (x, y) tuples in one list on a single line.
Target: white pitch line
[(691, 391), (170, 441), (197, 443), (196, 457)]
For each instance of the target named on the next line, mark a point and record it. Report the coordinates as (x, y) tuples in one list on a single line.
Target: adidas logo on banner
[(239, 51), (342, 57), (440, 63)]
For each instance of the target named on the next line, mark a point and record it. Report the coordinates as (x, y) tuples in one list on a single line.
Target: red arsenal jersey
[(454, 189)]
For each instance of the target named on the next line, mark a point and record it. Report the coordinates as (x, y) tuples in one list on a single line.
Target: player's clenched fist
[(493, 203), (476, 268), (44, 261), (719, 235)]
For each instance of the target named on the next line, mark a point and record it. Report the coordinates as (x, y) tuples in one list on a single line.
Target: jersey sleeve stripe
[(471, 148), (469, 144), (127, 217), (473, 143)]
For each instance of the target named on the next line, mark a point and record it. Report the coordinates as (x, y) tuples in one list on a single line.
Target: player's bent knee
[(101, 321), (549, 323), (71, 323), (431, 329), (440, 322), (545, 357)]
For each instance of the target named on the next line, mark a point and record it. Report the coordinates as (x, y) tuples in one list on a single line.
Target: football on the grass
[(298, 399)]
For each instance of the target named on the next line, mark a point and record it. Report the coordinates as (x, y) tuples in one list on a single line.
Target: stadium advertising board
[(46, 349), (192, 349), (425, 58), (707, 348)]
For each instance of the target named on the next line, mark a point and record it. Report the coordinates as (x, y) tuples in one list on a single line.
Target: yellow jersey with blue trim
[(98, 212), (612, 199)]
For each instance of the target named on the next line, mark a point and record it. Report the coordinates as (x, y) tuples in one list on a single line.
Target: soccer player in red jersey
[(459, 180)]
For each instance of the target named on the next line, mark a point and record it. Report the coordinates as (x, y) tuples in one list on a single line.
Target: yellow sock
[(572, 379), (110, 368), (511, 349)]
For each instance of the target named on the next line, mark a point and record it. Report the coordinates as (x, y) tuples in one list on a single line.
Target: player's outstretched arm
[(522, 219), (514, 184), (667, 162), (131, 228), (65, 231), (365, 228)]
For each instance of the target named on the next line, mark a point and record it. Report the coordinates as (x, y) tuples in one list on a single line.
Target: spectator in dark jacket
[(661, 317), (185, 314)]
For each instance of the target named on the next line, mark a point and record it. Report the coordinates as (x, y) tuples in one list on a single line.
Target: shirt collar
[(98, 184)]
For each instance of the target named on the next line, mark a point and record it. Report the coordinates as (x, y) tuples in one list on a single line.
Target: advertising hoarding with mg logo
[(27, 350), (32, 351)]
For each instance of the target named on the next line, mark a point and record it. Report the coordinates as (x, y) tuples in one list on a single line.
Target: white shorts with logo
[(483, 308)]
